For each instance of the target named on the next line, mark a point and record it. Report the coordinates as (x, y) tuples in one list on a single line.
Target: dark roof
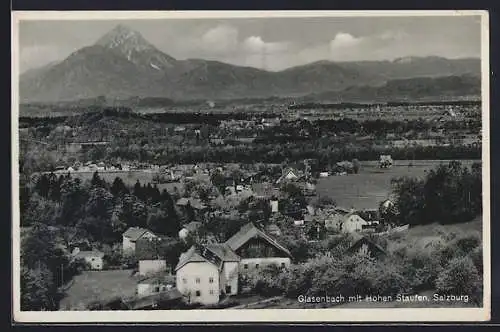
[(224, 252), (220, 251), (250, 231), (134, 233), (358, 239)]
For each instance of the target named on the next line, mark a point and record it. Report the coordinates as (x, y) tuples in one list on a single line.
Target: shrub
[(468, 243), (460, 277), (477, 258), (421, 268)]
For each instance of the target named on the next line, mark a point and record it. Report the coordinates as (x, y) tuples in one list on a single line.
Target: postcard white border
[(256, 315)]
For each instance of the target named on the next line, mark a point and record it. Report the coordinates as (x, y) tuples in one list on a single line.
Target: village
[(208, 273)]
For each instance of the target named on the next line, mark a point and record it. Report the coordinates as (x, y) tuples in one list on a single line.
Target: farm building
[(94, 258), (257, 249), (132, 235), (155, 284)]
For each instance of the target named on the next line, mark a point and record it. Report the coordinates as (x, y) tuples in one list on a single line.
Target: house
[(352, 223), (190, 228), (155, 284), (150, 256), (274, 205), (257, 249), (207, 272), (333, 220), (94, 258), (289, 174), (133, 234), (362, 245), (324, 174)]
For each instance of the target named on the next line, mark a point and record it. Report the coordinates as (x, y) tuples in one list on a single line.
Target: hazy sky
[(268, 43)]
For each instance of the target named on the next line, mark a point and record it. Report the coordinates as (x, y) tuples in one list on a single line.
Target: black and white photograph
[(250, 166)]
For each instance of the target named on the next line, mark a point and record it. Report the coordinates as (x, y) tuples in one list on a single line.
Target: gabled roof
[(134, 233), (358, 239), (250, 231), (221, 251)]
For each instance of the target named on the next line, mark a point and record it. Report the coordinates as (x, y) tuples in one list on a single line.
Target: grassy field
[(372, 185), (98, 285)]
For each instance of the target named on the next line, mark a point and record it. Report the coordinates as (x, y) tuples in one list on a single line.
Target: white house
[(133, 234), (353, 223), (207, 272), (204, 273), (274, 206), (94, 258)]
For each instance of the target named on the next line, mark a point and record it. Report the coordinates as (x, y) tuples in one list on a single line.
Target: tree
[(118, 187), (38, 291), (410, 200), (97, 181)]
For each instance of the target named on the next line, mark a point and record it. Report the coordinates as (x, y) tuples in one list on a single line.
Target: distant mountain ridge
[(122, 64)]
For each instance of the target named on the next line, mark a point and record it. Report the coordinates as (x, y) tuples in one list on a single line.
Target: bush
[(460, 277), (421, 268), (477, 258), (468, 243)]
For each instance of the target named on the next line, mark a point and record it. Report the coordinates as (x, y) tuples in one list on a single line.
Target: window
[(256, 266), (184, 280), (283, 265), (245, 266), (197, 280), (211, 292), (157, 289), (198, 293), (92, 259), (211, 280), (228, 289)]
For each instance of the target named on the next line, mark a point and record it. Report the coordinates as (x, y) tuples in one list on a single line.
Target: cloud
[(255, 44), (344, 40), (221, 39)]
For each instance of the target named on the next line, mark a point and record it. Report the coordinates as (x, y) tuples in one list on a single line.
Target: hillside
[(122, 64), (410, 89)]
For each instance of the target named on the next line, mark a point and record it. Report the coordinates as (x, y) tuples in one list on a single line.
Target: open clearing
[(98, 285), (372, 185)]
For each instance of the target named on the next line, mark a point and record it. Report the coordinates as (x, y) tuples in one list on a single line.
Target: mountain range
[(122, 64)]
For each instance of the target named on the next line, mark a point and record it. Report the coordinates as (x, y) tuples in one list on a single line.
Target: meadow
[(93, 286), (372, 185)]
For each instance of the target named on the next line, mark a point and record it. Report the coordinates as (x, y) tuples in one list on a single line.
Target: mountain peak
[(125, 39)]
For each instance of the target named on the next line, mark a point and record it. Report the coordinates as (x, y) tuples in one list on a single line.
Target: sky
[(267, 43)]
